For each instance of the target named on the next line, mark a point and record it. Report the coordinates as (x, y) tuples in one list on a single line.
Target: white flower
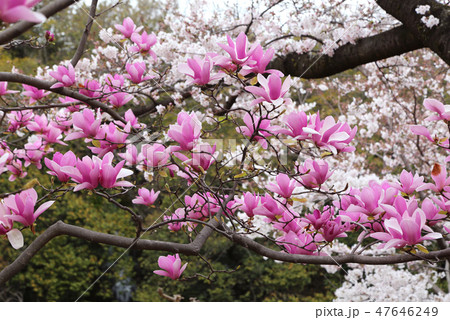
[(430, 21), (422, 9)]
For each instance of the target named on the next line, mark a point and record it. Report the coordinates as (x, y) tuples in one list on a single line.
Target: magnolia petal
[(15, 237)]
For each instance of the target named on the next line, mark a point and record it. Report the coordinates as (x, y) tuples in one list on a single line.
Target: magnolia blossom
[(238, 51), (248, 203), (199, 70), (272, 89), (136, 72), (257, 129), (143, 43), (4, 89), (187, 130), (15, 10), (65, 76), (33, 93), (90, 172), (408, 183), (314, 173), (146, 197), (406, 231), (14, 236), (284, 186), (21, 206), (171, 266), (61, 160), (127, 28)]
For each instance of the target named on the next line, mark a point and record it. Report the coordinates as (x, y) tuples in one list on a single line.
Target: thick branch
[(60, 228), (436, 38), (84, 37), (41, 84), (381, 46), (17, 29), (194, 248)]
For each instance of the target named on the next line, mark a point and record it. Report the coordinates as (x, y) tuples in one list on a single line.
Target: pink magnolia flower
[(131, 119), (437, 106), (408, 183), (19, 119), (333, 229), (176, 226), (127, 28), (64, 76), (269, 208), (297, 123), (421, 131), (371, 197), (52, 136), (187, 130), (39, 124), (249, 203), (114, 82), (120, 99), (4, 89), (432, 213), (298, 243), (22, 205), (136, 72), (89, 173), (260, 60), (154, 155), (171, 266), (331, 135), (406, 231), (257, 129), (15, 10), (86, 121), (34, 93), (272, 89), (439, 176), (238, 51), (14, 236), (314, 173), (34, 152), (143, 43), (146, 197), (289, 222), (201, 159), (61, 160), (199, 70), (131, 155), (284, 186), (73, 108), (91, 89), (16, 170), (317, 219), (110, 138)]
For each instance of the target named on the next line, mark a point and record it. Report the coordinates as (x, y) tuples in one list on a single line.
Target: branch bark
[(381, 46), (84, 37), (41, 84), (21, 27), (193, 248), (436, 38)]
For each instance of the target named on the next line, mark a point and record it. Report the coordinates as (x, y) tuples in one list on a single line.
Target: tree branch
[(381, 46), (193, 248), (21, 27), (436, 38), (41, 84), (84, 37)]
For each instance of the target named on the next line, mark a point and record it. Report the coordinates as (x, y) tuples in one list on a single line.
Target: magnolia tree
[(214, 111)]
